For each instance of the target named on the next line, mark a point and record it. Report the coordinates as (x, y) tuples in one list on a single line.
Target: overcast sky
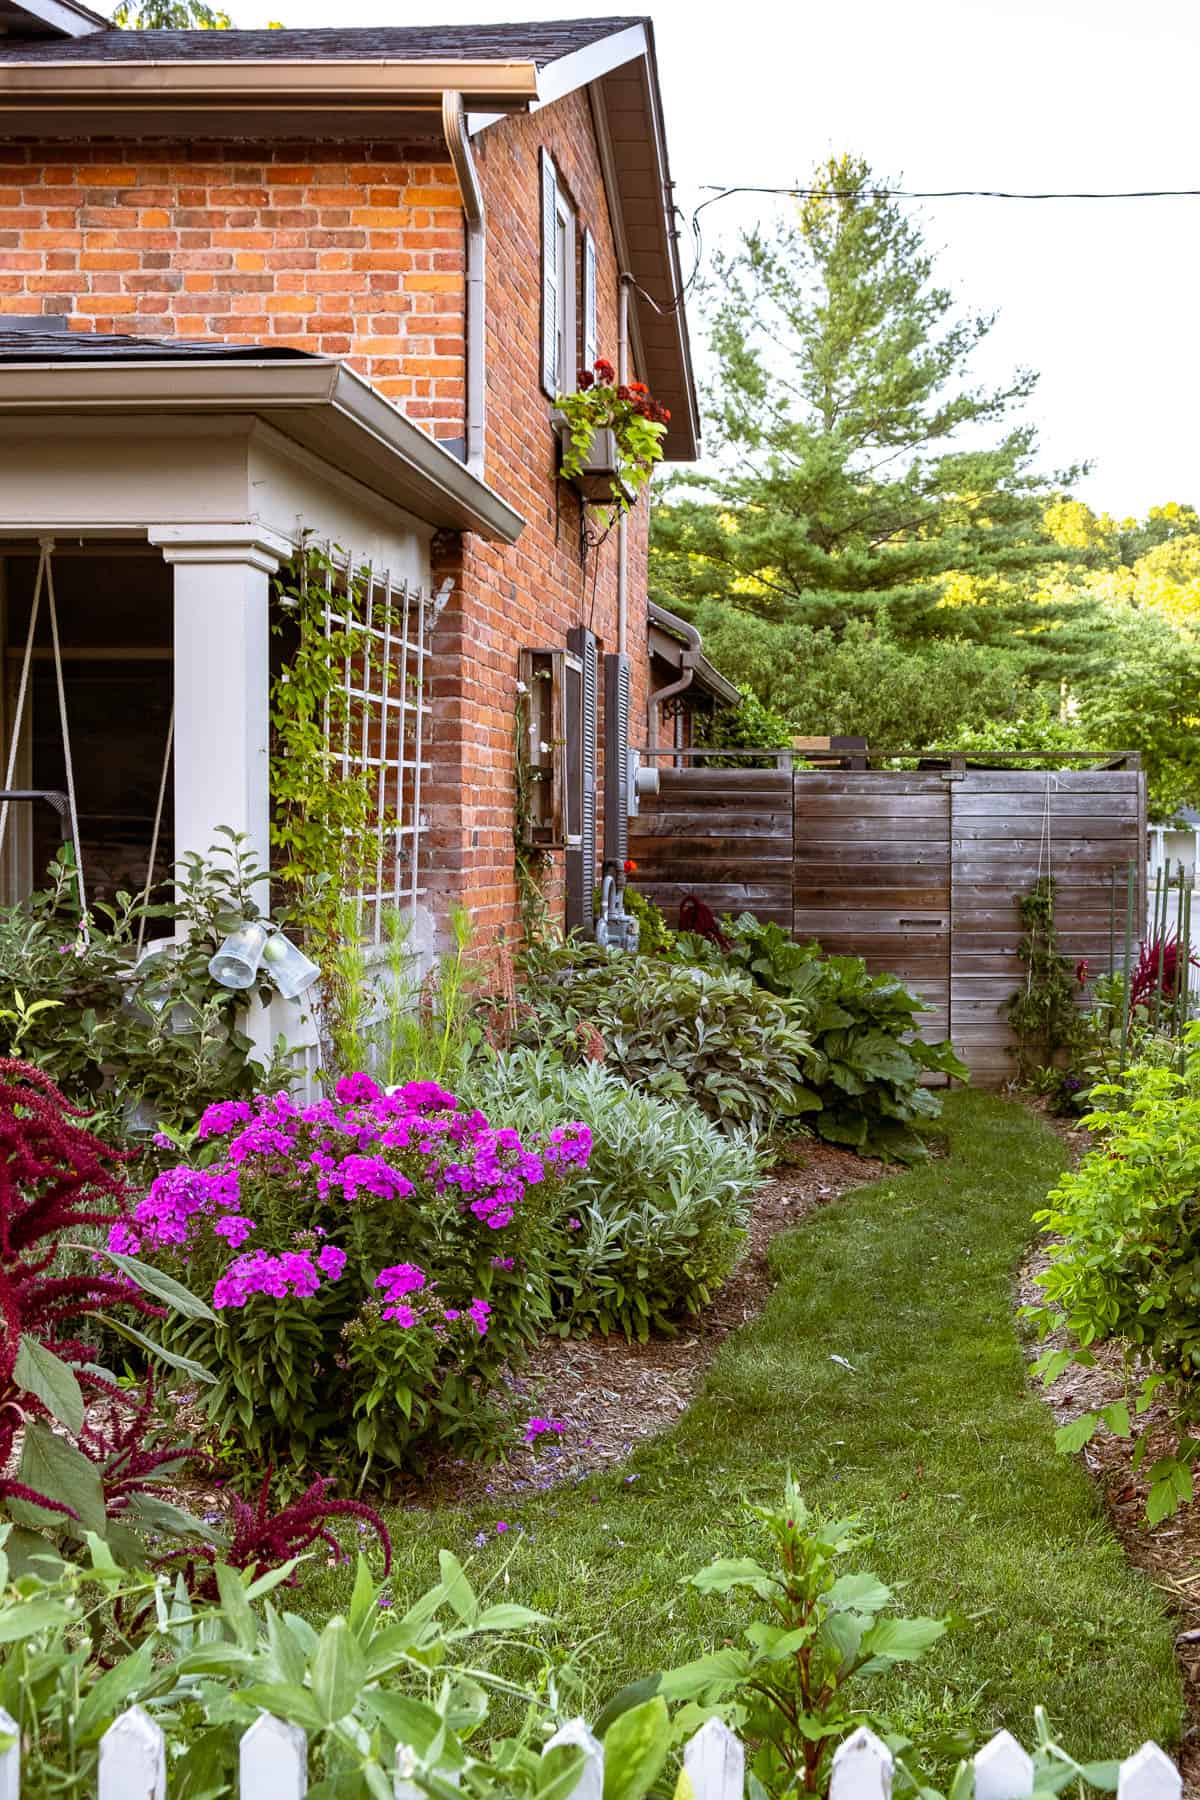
[(1100, 296)]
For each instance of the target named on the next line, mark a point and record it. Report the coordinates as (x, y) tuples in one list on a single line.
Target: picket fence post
[(273, 1760), (273, 1765), (10, 1759), (133, 1759), (716, 1763), (590, 1785), (1003, 1770), (1149, 1775), (862, 1768)]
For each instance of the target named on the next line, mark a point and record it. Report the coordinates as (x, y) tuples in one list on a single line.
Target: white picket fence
[(273, 1765)]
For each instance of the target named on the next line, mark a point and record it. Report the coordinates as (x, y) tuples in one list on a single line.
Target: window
[(558, 284)]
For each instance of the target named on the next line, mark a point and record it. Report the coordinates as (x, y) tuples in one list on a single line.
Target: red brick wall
[(350, 250), (533, 593), (358, 251)]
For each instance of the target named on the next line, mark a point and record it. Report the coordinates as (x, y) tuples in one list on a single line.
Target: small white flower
[(522, 687), (544, 748)]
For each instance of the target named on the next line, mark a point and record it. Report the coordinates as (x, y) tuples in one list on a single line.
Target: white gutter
[(454, 121), (689, 659), (316, 401), (162, 82)]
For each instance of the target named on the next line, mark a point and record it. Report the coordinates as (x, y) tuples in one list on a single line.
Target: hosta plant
[(373, 1262), (870, 1061), (660, 1211)]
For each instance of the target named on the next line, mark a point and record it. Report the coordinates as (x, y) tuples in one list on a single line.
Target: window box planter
[(598, 477)]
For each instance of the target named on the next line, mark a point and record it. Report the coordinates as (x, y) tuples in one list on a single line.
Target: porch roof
[(316, 401)]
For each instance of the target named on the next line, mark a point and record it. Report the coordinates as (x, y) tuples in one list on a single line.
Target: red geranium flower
[(630, 866), (604, 369), (584, 378)]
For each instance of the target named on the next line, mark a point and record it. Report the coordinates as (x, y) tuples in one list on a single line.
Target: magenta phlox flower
[(402, 1315), (123, 1239), (423, 1097), (259, 1272), (502, 1262), (479, 1312), (352, 1089), (223, 1117), (569, 1146), (234, 1228), (400, 1279), (177, 1197), (365, 1174), (331, 1260)]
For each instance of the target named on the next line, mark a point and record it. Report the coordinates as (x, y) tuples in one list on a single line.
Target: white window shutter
[(550, 294), (591, 347)]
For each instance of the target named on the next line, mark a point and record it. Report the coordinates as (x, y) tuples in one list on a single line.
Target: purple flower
[(501, 1527), (536, 1428), (352, 1088), (400, 1278), (574, 1225), (331, 1261), (402, 1315), (502, 1262), (234, 1229), (123, 1239)]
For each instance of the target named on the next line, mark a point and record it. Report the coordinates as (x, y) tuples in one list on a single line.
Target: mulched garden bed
[(1170, 1555), (612, 1394)]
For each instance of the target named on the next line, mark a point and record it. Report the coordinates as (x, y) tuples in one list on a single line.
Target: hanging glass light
[(288, 969), (235, 964)]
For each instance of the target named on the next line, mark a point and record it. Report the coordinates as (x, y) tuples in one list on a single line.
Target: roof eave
[(318, 403), (161, 87)]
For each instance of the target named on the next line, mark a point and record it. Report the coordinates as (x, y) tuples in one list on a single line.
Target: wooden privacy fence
[(918, 871), (273, 1765)]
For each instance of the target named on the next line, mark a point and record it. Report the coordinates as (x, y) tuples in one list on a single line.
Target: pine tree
[(843, 487)]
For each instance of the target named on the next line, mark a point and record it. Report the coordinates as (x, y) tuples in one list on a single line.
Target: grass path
[(931, 1433)]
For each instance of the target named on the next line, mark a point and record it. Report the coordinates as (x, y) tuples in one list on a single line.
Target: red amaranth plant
[(261, 1539), (1147, 980), (56, 1176)]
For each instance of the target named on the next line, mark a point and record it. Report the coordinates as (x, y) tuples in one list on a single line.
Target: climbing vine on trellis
[(325, 824)]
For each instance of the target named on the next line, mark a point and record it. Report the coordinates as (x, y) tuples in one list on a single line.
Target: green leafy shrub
[(655, 937), (865, 1076), (662, 1204), (1124, 1261), (802, 1682), (144, 1042), (681, 1033), (373, 1261), (80, 1646)]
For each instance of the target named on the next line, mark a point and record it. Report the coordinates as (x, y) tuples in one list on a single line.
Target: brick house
[(258, 284)]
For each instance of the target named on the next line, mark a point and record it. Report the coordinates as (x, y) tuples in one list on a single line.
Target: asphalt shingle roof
[(541, 42), (97, 346)]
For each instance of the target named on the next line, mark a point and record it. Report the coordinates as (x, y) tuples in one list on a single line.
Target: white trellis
[(384, 728), (273, 1765)]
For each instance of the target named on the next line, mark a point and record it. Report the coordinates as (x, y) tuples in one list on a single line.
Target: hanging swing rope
[(45, 581), (154, 835)]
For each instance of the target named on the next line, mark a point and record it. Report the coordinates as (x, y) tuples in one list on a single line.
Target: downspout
[(695, 645), (454, 124), (623, 285)]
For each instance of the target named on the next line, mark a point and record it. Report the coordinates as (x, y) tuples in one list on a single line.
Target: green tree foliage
[(862, 682), (170, 15), (859, 469), (1149, 700)]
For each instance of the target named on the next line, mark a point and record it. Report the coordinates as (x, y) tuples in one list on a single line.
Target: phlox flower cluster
[(361, 1148), (295, 1272), (177, 1201)]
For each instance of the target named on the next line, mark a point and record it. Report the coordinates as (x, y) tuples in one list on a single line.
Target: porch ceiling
[(315, 401)]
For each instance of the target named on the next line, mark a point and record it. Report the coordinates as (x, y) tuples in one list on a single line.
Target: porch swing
[(66, 804)]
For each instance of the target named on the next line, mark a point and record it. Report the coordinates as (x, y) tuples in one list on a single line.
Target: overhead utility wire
[(715, 193), (801, 193)]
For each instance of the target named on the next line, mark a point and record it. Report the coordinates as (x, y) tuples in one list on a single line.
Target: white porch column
[(222, 678)]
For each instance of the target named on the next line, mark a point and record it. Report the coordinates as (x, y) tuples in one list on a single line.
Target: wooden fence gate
[(917, 872)]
